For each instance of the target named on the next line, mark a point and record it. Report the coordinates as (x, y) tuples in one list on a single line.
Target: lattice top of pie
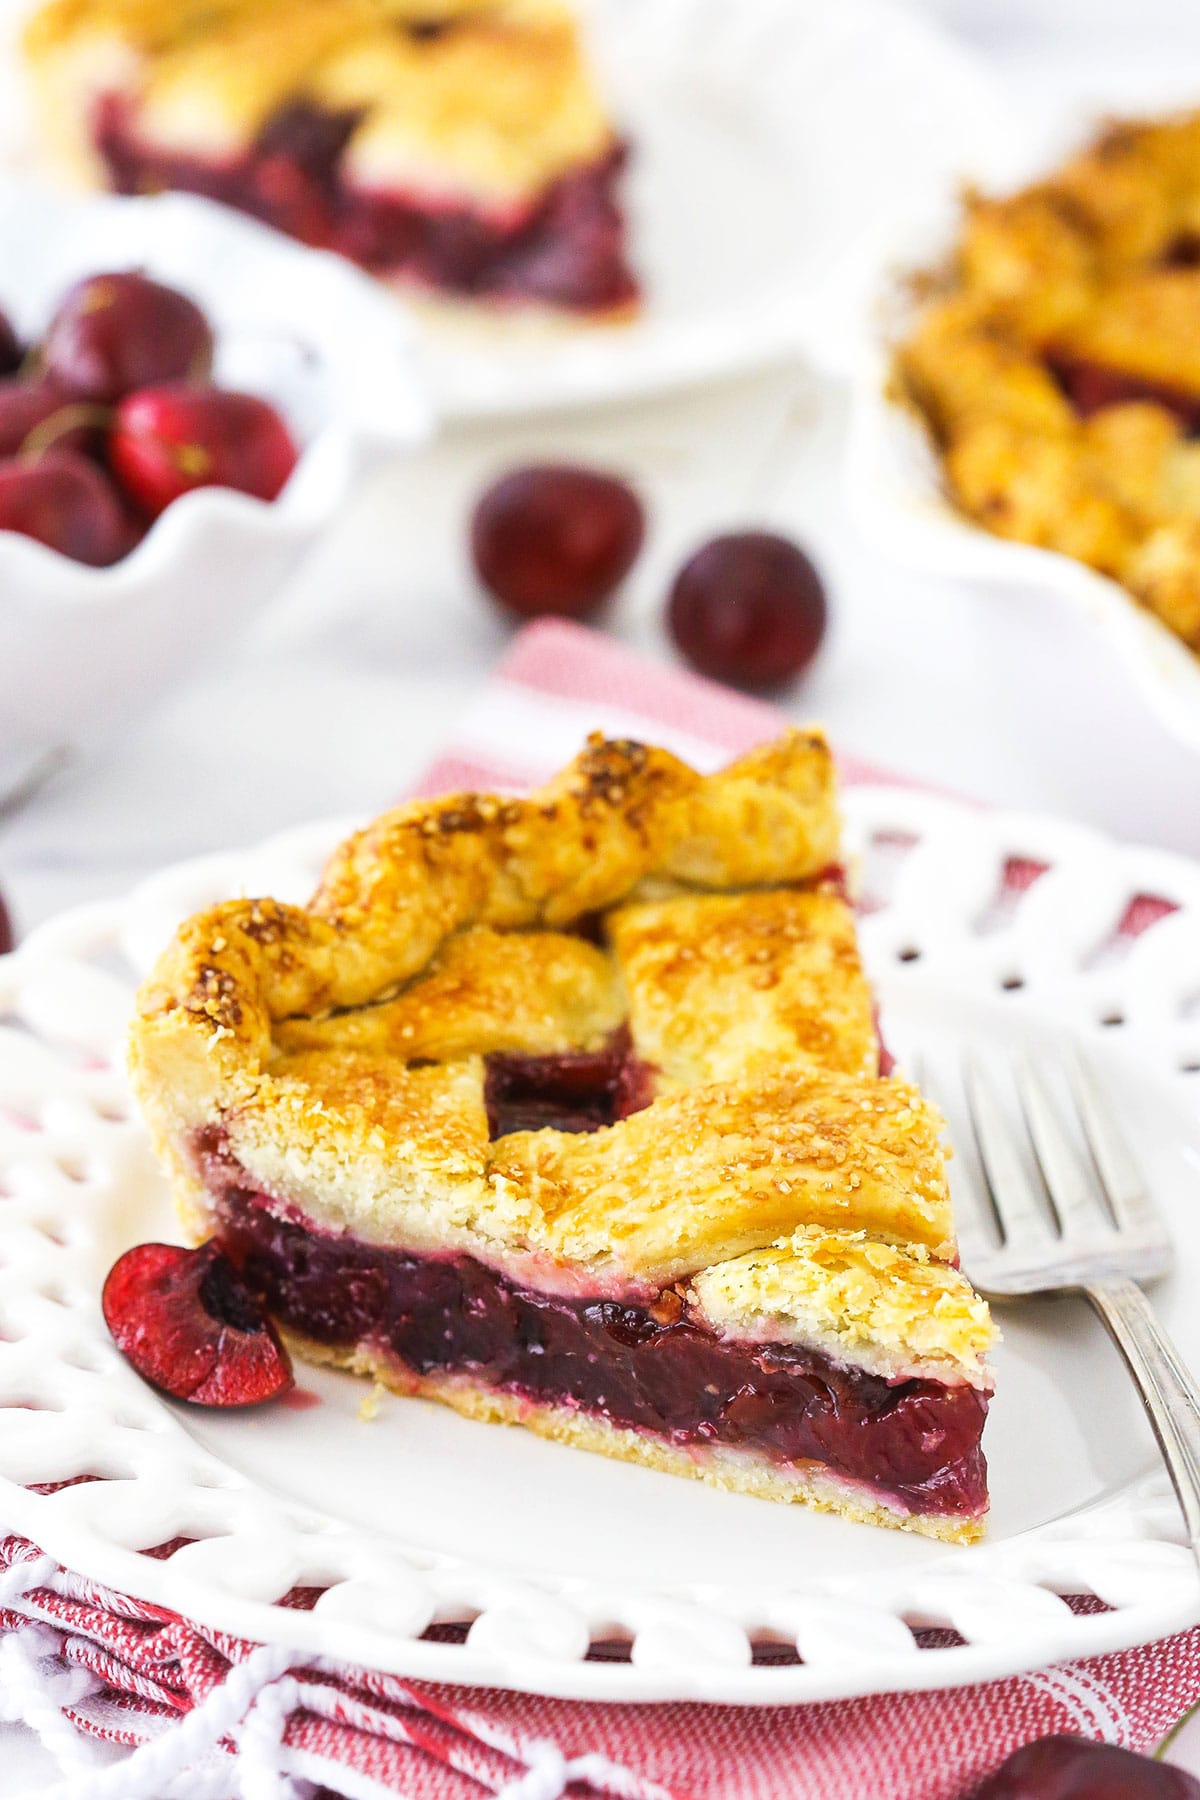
[(666, 955), (1058, 363)]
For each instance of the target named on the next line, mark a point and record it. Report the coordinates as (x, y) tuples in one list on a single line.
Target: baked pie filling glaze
[(567, 1112), (1055, 361), (458, 148), (571, 1090)]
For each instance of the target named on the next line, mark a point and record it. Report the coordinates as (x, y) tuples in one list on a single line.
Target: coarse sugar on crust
[(341, 1047)]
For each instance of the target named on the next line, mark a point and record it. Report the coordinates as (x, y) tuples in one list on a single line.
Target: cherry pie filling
[(575, 1090), (1089, 386), (567, 250), (644, 1366)]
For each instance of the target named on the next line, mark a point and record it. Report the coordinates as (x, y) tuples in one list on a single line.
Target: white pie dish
[(423, 1516), (898, 500), (893, 478), (80, 648)]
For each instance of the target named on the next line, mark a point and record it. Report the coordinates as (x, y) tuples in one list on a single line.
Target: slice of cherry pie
[(458, 144), (567, 1111)]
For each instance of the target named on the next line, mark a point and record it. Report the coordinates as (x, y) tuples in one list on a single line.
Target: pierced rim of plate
[(73, 1413)]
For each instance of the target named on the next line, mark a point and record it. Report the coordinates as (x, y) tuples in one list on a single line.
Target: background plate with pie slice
[(559, 1572), (773, 143)]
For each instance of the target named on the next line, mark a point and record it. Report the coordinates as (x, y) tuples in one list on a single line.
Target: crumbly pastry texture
[(338, 1056), (859, 1299), (485, 99), (1057, 363)]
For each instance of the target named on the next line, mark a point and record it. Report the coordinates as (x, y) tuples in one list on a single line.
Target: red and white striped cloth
[(212, 1717)]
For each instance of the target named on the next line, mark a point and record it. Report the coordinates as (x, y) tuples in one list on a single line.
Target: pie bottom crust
[(720, 1466)]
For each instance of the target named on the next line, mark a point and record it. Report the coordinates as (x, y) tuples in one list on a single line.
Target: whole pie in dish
[(458, 144), (567, 1111), (1057, 363)]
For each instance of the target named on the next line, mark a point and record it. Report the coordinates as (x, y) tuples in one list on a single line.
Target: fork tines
[(1054, 1195)]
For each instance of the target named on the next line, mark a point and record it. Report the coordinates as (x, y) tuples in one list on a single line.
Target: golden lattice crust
[(725, 986), (1096, 267), (704, 1175), (491, 109), (340, 1048), (893, 1310)]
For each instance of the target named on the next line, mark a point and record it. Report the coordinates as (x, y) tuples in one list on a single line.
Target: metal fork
[(1100, 1236)]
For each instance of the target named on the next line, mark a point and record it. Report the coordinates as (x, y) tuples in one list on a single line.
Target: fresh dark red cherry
[(1067, 1768), (68, 503), (748, 609), (114, 333), (36, 416), (11, 353), (167, 440), (188, 1323), (556, 539)]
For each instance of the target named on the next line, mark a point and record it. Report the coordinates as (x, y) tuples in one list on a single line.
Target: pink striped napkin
[(210, 1714), (560, 681)]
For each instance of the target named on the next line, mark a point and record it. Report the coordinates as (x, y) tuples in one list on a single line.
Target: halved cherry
[(190, 1325), (167, 440)]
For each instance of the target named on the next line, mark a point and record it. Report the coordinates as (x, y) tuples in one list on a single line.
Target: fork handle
[(1168, 1391)]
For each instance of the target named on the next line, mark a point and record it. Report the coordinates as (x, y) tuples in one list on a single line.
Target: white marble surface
[(348, 688)]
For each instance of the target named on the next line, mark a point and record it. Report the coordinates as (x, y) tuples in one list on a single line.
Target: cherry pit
[(113, 416)]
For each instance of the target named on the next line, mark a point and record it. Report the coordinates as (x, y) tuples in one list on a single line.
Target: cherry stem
[(78, 414)]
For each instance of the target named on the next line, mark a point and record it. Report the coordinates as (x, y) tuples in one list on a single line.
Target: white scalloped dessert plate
[(773, 143), (564, 1573)]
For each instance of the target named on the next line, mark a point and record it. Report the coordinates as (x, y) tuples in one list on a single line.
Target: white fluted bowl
[(82, 648), (897, 498)]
